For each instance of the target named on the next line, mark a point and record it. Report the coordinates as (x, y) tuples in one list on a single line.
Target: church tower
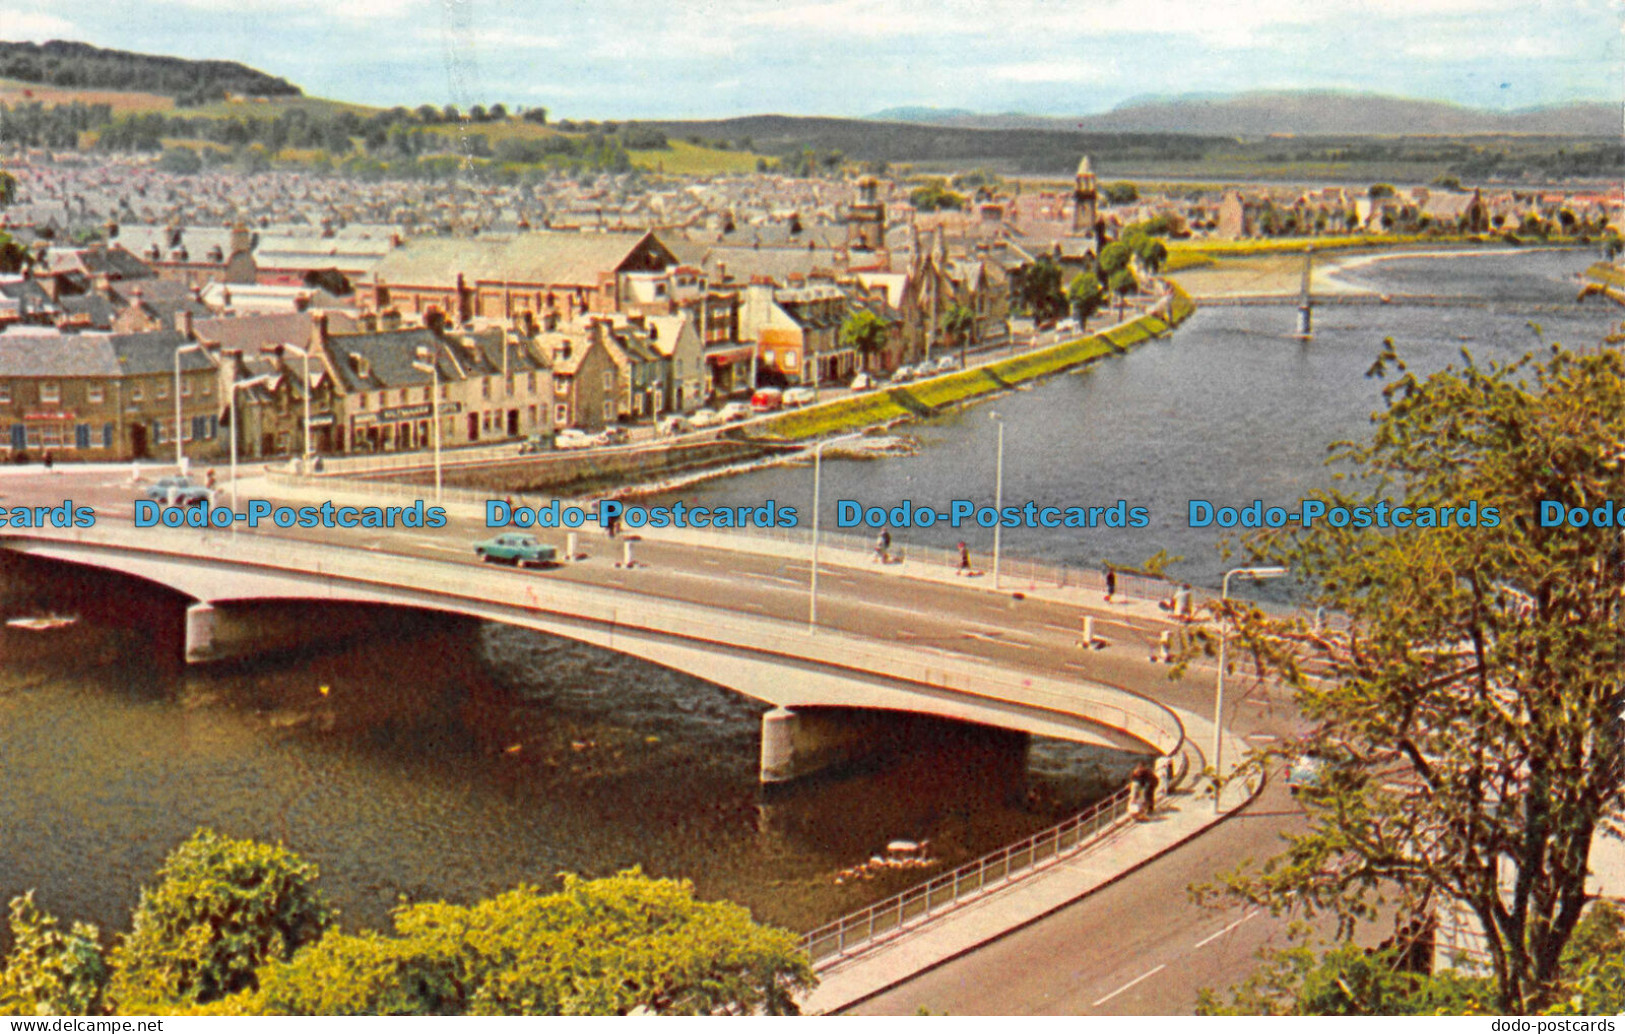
[(866, 218), (1084, 200)]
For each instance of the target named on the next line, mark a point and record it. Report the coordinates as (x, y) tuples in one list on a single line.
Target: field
[(686, 159), (13, 93)]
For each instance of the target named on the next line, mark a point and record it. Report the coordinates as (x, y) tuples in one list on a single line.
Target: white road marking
[(1001, 640), (1209, 939), (1125, 987), (773, 578), (1262, 737)]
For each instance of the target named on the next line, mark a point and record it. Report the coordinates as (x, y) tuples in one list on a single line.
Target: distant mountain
[(1307, 113), (928, 116), (81, 66)]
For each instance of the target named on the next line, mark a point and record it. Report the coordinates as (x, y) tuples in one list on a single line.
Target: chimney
[(183, 324), (318, 331)]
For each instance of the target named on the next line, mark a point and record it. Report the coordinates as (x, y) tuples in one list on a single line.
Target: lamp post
[(426, 364), (1256, 574), (180, 457), (236, 386), (998, 496), (304, 355), (818, 477)]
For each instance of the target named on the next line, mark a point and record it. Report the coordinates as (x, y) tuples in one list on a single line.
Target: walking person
[(964, 559), (1111, 583), (1139, 778), (883, 546), (1182, 601)]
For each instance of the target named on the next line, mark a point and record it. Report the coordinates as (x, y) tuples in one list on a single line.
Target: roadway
[(1108, 953)]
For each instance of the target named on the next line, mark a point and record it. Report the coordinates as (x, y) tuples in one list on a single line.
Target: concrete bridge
[(837, 695), (1435, 301)]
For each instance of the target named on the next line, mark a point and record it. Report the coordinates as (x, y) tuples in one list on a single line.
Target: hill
[(80, 66), (1295, 113)]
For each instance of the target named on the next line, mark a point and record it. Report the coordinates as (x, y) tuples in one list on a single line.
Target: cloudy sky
[(674, 58)]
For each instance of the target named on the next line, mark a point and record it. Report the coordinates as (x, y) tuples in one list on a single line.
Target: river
[(450, 759)]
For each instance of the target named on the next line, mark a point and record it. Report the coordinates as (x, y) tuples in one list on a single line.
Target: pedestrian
[(1151, 785), (964, 559), (50, 460), (1182, 601), (883, 546), (1139, 778), (208, 478), (1111, 583)]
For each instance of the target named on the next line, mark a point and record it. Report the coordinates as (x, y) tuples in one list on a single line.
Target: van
[(766, 400)]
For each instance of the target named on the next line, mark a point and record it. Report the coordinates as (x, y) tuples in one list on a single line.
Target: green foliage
[(959, 323), (1477, 709), (1348, 980), (50, 972), (221, 909), (1087, 294), (1123, 282), (1379, 190), (1037, 289), (597, 947), (82, 66), (14, 256), (935, 195), (1121, 193), (181, 161), (864, 331), (8, 188)]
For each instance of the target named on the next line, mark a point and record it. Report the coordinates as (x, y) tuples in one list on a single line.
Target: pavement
[(1180, 816)]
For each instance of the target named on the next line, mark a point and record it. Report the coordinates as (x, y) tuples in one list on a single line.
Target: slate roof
[(57, 355), (388, 356), (539, 257), (154, 352)]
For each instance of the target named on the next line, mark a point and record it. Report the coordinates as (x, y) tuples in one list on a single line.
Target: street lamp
[(237, 386), (1257, 574), (818, 477), (305, 390), (998, 496), (426, 364), (180, 458)]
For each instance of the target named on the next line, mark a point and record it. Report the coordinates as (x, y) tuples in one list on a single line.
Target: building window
[(561, 415), (50, 391), (485, 387), (5, 391), (769, 357), (791, 360), (361, 401), (609, 411), (135, 393), (530, 382), (208, 389), (425, 393), (609, 380), (162, 390)]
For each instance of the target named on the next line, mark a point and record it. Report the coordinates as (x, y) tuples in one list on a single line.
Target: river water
[(1231, 408), (449, 759)]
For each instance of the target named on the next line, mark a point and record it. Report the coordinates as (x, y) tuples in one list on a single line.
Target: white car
[(862, 382), (704, 418), (948, 362), (902, 375), (735, 411), (800, 396), (574, 438), (671, 426)]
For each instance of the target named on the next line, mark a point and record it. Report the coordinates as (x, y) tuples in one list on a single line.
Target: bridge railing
[(864, 929)]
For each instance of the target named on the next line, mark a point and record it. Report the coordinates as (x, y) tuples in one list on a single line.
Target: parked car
[(574, 438), (540, 441), (181, 491), (862, 382), (902, 375), (705, 418), (766, 400), (734, 411), (671, 426), (516, 549), (948, 362), (615, 434), (800, 396)]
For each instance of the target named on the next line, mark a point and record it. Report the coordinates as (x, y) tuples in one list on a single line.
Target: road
[(1108, 953)]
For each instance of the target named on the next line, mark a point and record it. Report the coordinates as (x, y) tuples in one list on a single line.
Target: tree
[(959, 324), (1123, 283), (48, 971), (1087, 294), (866, 332), (1378, 190), (221, 909), (935, 195), (1470, 719), (8, 188), (1038, 288), (1122, 193), (180, 160), (597, 947)]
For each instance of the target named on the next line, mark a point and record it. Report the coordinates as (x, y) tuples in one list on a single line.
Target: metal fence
[(886, 919)]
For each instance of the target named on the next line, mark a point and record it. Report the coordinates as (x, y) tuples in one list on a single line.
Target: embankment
[(889, 405)]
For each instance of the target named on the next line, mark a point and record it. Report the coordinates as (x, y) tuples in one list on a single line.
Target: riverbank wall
[(927, 398)]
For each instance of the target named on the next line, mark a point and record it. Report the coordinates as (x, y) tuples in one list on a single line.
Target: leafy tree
[(14, 256), (1472, 715), (935, 195), (180, 160), (8, 188), (1038, 289), (221, 909), (866, 332), (1448, 182), (959, 324), (1114, 256), (1087, 294), (1122, 193), (597, 947), (49, 971), (1348, 981), (1123, 283), (1378, 190)]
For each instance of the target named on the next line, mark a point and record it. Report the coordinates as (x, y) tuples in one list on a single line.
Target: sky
[(677, 59)]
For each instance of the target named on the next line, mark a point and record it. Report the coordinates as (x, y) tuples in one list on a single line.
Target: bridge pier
[(236, 631), (800, 743)]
